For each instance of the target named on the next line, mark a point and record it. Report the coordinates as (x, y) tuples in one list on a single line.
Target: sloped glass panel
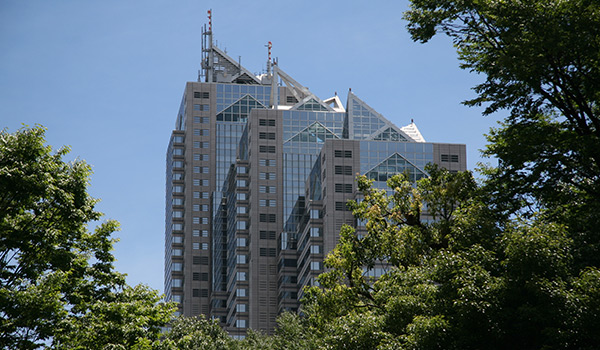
[(390, 134), (395, 164), (311, 105), (365, 120), (239, 111), (314, 133)]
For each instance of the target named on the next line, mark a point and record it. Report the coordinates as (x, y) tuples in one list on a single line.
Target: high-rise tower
[(258, 173)]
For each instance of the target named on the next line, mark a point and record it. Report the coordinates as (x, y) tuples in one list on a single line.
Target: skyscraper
[(259, 170)]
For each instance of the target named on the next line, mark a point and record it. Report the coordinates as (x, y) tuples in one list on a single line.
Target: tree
[(57, 281), (467, 279), (541, 61)]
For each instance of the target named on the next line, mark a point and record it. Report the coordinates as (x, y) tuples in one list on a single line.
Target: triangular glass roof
[(390, 134), (312, 105), (395, 164), (239, 110), (364, 119), (316, 132)]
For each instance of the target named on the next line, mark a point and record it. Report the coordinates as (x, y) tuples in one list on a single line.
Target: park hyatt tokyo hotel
[(259, 170)]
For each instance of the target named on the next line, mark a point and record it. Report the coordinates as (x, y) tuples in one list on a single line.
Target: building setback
[(259, 170)]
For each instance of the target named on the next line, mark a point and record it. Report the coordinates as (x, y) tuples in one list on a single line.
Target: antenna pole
[(269, 63)]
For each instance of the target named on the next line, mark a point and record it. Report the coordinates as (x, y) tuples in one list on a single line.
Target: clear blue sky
[(106, 78)]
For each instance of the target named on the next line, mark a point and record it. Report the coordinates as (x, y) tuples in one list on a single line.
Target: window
[(177, 201), (266, 149), (200, 260), (291, 99), (266, 135), (240, 276), (176, 298), (203, 195), (343, 188), (315, 214), (266, 189), (178, 176), (178, 164), (315, 249), (177, 267), (196, 245), (242, 225), (343, 170), (177, 239), (240, 323), (241, 259), (201, 94), (197, 220), (315, 265), (200, 276), (177, 252), (240, 308), (266, 176), (449, 158), (178, 151), (242, 210), (342, 154), (241, 242), (340, 206), (202, 107), (267, 162), (177, 227), (201, 120), (198, 156), (177, 283), (242, 170), (177, 214), (266, 122), (270, 252), (201, 182), (267, 202), (267, 235), (267, 217), (201, 144), (242, 196), (201, 132), (178, 139), (242, 183), (315, 232)]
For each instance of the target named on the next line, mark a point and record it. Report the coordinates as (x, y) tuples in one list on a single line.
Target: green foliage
[(541, 62), (57, 281), (467, 280), (189, 333)]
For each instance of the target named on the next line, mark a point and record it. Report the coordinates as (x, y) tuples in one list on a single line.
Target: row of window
[(201, 94), (270, 252), (266, 149), (266, 135), (342, 153), (202, 107), (266, 176), (449, 158), (199, 276), (343, 188), (267, 162), (343, 170), (266, 122), (201, 132), (267, 217)]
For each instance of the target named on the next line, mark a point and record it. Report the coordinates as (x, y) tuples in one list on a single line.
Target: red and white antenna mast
[(269, 62), (210, 20)]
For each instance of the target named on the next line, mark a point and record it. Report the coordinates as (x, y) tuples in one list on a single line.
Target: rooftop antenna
[(208, 60), (269, 63)]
